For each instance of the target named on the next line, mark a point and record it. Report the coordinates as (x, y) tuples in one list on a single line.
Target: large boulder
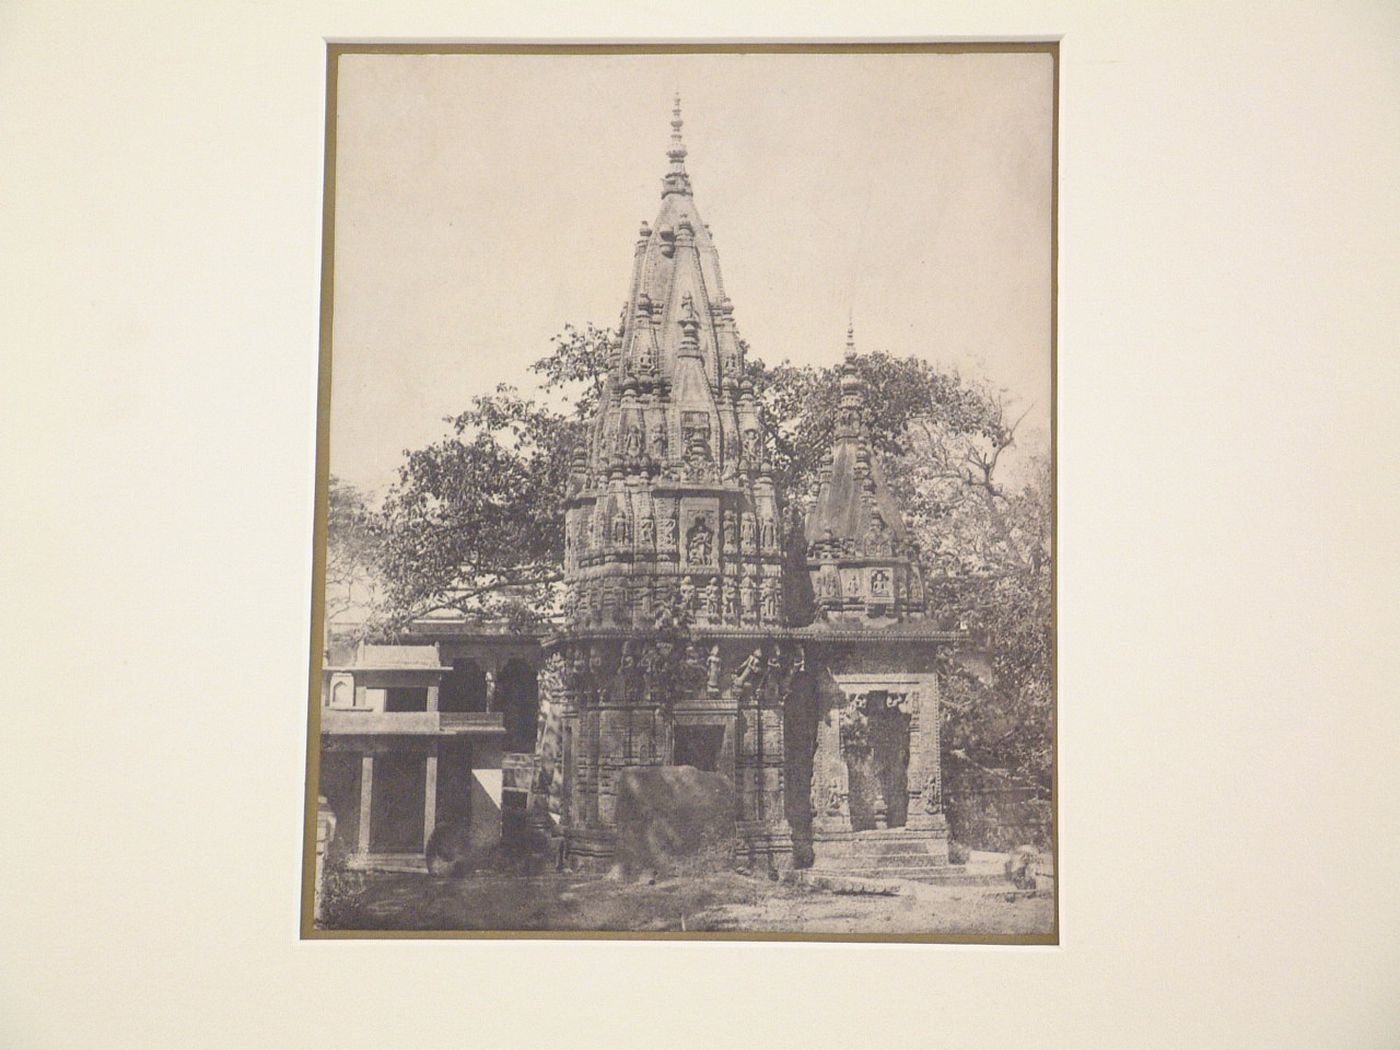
[(449, 850), (674, 820)]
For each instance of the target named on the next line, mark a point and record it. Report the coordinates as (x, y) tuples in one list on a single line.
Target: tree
[(983, 544), (990, 565), (353, 537), (475, 522)]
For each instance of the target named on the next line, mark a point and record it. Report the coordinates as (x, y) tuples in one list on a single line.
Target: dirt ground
[(723, 902)]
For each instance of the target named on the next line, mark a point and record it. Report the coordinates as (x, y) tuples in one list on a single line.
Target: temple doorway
[(877, 764), (698, 746), (396, 802)]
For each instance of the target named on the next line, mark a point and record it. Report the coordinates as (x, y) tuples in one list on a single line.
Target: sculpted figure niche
[(699, 543)]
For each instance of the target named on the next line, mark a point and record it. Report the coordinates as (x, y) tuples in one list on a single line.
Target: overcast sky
[(484, 202)]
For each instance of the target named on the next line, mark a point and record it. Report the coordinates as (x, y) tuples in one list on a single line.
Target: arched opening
[(518, 700), (463, 688)]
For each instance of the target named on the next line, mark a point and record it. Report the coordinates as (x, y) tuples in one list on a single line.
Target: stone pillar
[(830, 784), (366, 794), (925, 805), (430, 763), (433, 697)]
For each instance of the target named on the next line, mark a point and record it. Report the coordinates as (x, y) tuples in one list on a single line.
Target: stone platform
[(885, 853)]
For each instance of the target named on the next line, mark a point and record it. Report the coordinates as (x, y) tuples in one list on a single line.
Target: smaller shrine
[(876, 798)]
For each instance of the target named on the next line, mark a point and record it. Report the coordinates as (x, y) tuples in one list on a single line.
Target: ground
[(722, 902)]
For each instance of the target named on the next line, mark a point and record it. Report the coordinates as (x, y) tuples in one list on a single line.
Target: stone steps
[(936, 874), (910, 859)]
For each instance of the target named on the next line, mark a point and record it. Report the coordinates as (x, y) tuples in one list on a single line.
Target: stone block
[(674, 820)]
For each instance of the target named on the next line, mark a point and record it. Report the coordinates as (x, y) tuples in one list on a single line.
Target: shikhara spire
[(672, 506), (855, 520)]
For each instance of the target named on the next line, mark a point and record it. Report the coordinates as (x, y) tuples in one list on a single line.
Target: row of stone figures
[(648, 602), (830, 799), (879, 540), (594, 540), (883, 587), (666, 671), (697, 460)]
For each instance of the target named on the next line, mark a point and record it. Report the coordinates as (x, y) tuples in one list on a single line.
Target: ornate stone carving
[(826, 798), (878, 539), (666, 533), (621, 530), (768, 535), (933, 801), (699, 543), (753, 444), (710, 600), (746, 677), (772, 601), (748, 599), (552, 675), (746, 532)]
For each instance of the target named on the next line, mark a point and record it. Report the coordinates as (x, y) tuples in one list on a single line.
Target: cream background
[(1227, 554), (485, 201)]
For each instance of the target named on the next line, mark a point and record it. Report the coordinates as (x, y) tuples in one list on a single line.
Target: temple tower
[(671, 512), (857, 548), (671, 652), (676, 649)]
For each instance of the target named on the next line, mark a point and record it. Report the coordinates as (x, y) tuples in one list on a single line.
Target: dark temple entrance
[(698, 746), (878, 767)]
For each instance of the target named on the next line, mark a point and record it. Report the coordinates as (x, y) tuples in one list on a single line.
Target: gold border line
[(334, 50)]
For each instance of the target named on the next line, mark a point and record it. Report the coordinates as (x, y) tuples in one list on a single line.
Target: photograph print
[(685, 560)]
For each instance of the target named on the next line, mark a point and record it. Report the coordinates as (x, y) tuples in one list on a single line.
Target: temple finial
[(677, 150), (851, 338), (676, 180)]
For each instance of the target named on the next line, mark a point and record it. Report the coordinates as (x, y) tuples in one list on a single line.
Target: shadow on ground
[(717, 902)]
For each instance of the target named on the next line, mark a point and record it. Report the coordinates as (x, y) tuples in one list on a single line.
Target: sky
[(483, 202)]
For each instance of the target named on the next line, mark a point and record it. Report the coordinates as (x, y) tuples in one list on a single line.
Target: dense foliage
[(475, 523)]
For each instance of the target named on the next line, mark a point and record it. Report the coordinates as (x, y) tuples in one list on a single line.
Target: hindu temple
[(706, 624)]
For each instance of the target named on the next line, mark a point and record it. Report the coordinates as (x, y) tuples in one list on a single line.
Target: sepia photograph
[(687, 466), (732, 524)]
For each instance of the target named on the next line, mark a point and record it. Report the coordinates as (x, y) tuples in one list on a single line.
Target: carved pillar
[(830, 785), (925, 802)]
